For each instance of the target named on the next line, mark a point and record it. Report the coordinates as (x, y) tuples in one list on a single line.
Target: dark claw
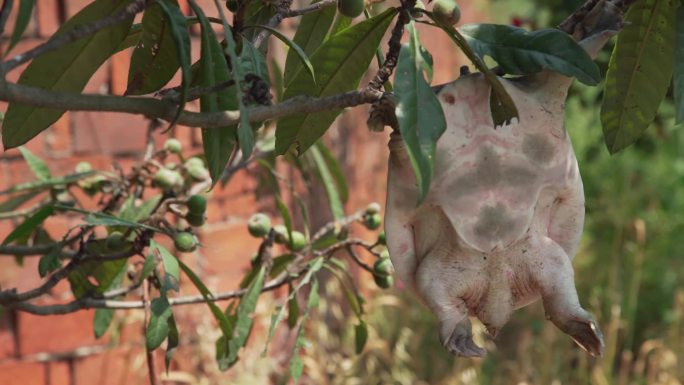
[(587, 335), (463, 345)]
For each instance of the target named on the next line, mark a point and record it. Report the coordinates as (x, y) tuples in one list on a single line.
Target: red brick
[(59, 373), (115, 367), (108, 133), (55, 333), (47, 12), (7, 346), (21, 277), (74, 6), (120, 64), (24, 373), (227, 251)]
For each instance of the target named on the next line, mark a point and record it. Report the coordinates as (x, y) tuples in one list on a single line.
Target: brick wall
[(58, 350)]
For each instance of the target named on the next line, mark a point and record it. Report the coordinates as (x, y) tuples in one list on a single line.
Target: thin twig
[(283, 8), (76, 34), (311, 8)]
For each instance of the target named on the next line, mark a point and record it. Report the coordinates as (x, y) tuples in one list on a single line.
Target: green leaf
[(339, 269), (245, 132), (301, 55), (96, 276), (244, 321), (253, 61), (285, 214), (219, 143), (336, 171), (224, 323), (314, 266), (292, 309), (50, 261), (158, 326), (339, 64), (155, 59), (639, 72), (280, 263), (101, 321), (40, 185), (501, 104), (12, 203), (148, 267), (419, 113), (341, 23), (520, 52), (678, 82), (360, 336), (296, 364), (29, 225), (312, 30), (102, 219), (324, 173), (23, 18), (38, 166), (67, 69), (179, 32), (172, 341), (170, 263), (130, 212), (5, 11)]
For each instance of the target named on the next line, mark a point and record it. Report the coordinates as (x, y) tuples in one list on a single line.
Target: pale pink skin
[(503, 218)]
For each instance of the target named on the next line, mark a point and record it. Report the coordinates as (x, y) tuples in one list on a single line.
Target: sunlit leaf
[(23, 18), (311, 32), (67, 69), (219, 143), (639, 72), (339, 65), (101, 321), (155, 59), (521, 52), (420, 115), (158, 326)]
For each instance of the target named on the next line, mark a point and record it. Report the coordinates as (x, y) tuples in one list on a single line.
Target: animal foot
[(463, 345), (585, 333)]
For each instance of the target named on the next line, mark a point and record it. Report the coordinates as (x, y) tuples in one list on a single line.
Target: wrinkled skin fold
[(503, 218)]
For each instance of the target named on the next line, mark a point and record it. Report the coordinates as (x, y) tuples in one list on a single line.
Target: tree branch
[(283, 8), (77, 33), (154, 108), (311, 8)]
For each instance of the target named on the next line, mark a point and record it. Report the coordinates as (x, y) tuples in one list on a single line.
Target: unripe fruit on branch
[(83, 166), (383, 281), (382, 240), (351, 8), (373, 208), (281, 235), (115, 241), (195, 219), (173, 146), (446, 12), (383, 266), (259, 225), (185, 242), (298, 241), (167, 179), (372, 222), (197, 204)]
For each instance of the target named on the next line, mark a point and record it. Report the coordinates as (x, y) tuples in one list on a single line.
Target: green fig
[(195, 219), (383, 281), (259, 225), (446, 12), (351, 8), (173, 146), (167, 179), (185, 242), (298, 241), (197, 204), (373, 208), (83, 166), (281, 235), (382, 239), (115, 241), (372, 222), (383, 266)]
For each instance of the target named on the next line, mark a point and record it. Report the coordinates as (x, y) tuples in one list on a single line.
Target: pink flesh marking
[(449, 98)]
